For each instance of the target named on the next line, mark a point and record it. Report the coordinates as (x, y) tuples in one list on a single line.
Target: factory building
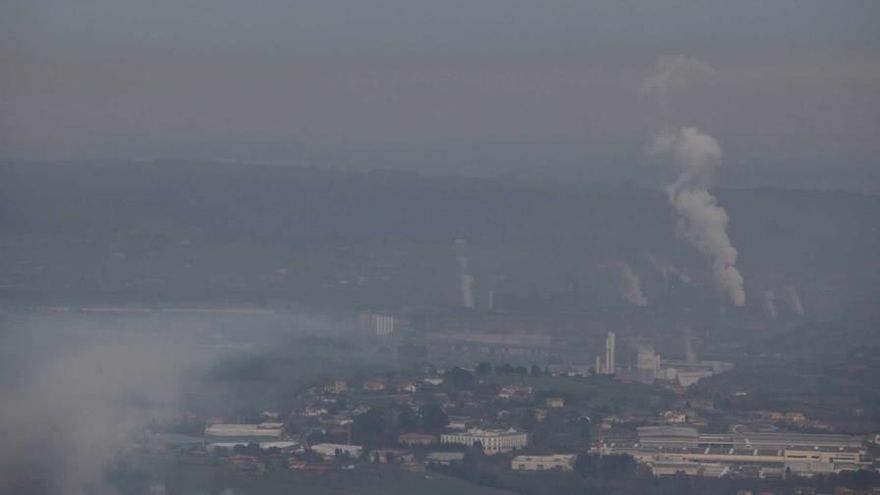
[(492, 441), (556, 462), (230, 435), (650, 367), (468, 347), (332, 450), (671, 449), (647, 366), (262, 431), (701, 469), (282, 446), (380, 323)]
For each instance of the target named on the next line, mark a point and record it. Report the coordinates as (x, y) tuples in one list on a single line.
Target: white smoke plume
[(696, 155), (702, 222), (631, 286), (794, 300), (689, 354), (466, 281), (770, 303), (85, 403), (674, 72)]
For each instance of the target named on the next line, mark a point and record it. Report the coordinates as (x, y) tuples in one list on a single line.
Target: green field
[(364, 480)]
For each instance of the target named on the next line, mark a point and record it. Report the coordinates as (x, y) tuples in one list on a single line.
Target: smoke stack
[(467, 291), (491, 304), (610, 365)]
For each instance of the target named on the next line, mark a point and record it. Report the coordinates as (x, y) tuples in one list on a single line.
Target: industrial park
[(495, 247), (474, 378)]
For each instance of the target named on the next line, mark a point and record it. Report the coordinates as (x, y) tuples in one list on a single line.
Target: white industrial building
[(444, 458), (672, 449), (557, 462), (701, 469), (283, 446), (331, 450), (650, 367), (492, 441), (245, 431)]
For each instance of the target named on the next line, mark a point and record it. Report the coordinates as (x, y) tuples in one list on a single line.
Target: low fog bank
[(77, 389)]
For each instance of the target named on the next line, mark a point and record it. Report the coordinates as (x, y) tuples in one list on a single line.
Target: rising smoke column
[(696, 155), (688, 340), (466, 281), (631, 286), (770, 303), (794, 300), (701, 221)]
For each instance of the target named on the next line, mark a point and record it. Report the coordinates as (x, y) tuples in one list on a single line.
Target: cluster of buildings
[(669, 450), (650, 368), (480, 416), (243, 444)]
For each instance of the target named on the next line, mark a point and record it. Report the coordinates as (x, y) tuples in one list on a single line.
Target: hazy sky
[(548, 87)]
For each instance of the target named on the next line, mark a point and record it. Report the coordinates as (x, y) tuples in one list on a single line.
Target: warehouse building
[(667, 448), (556, 462), (332, 450)]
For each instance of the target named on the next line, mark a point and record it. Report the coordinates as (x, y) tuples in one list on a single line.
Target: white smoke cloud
[(631, 286), (674, 72), (79, 388), (696, 155), (689, 354), (702, 222), (76, 411)]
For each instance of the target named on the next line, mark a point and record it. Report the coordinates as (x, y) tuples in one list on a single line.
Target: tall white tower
[(610, 366)]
